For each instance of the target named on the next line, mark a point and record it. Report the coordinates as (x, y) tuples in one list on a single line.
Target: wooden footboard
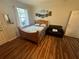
[(34, 37)]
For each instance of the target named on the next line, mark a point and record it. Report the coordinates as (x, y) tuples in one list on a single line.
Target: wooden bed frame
[(42, 22), (35, 37)]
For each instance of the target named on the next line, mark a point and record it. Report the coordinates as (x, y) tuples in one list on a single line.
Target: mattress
[(33, 28)]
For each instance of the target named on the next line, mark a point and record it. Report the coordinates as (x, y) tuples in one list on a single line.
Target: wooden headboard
[(42, 22)]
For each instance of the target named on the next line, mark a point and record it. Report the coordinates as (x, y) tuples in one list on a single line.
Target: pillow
[(37, 24), (54, 30), (43, 25)]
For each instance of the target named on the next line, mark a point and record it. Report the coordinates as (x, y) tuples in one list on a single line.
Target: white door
[(3, 36), (1, 30), (7, 31), (73, 25)]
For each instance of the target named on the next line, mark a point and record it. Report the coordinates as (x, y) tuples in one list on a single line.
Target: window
[(23, 17)]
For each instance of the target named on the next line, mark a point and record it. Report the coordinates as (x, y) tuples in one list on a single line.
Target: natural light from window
[(23, 17)]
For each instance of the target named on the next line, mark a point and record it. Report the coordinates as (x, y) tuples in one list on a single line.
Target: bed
[(35, 32)]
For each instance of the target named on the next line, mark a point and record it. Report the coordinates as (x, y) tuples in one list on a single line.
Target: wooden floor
[(50, 48)]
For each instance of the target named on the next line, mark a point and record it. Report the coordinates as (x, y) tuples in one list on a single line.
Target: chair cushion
[(55, 30)]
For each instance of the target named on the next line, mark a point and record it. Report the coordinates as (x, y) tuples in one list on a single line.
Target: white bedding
[(33, 28)]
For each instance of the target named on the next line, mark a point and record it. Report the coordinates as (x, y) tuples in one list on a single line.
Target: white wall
[(8, 7), (29, 8), (60, 10)]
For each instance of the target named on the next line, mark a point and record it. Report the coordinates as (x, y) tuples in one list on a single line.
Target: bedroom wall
[(29, 8), (8, 7), (60, 10)]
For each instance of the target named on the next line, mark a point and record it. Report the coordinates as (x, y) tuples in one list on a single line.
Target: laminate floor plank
[(50, 48)]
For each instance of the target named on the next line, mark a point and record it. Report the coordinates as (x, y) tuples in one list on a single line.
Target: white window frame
[(20, 17)]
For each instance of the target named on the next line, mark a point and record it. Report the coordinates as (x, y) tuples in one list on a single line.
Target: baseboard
[(13, 38), (1, 43)]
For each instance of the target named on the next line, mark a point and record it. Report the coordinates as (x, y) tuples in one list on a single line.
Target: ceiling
[(34, 1), (50, 3), (39, 2)]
